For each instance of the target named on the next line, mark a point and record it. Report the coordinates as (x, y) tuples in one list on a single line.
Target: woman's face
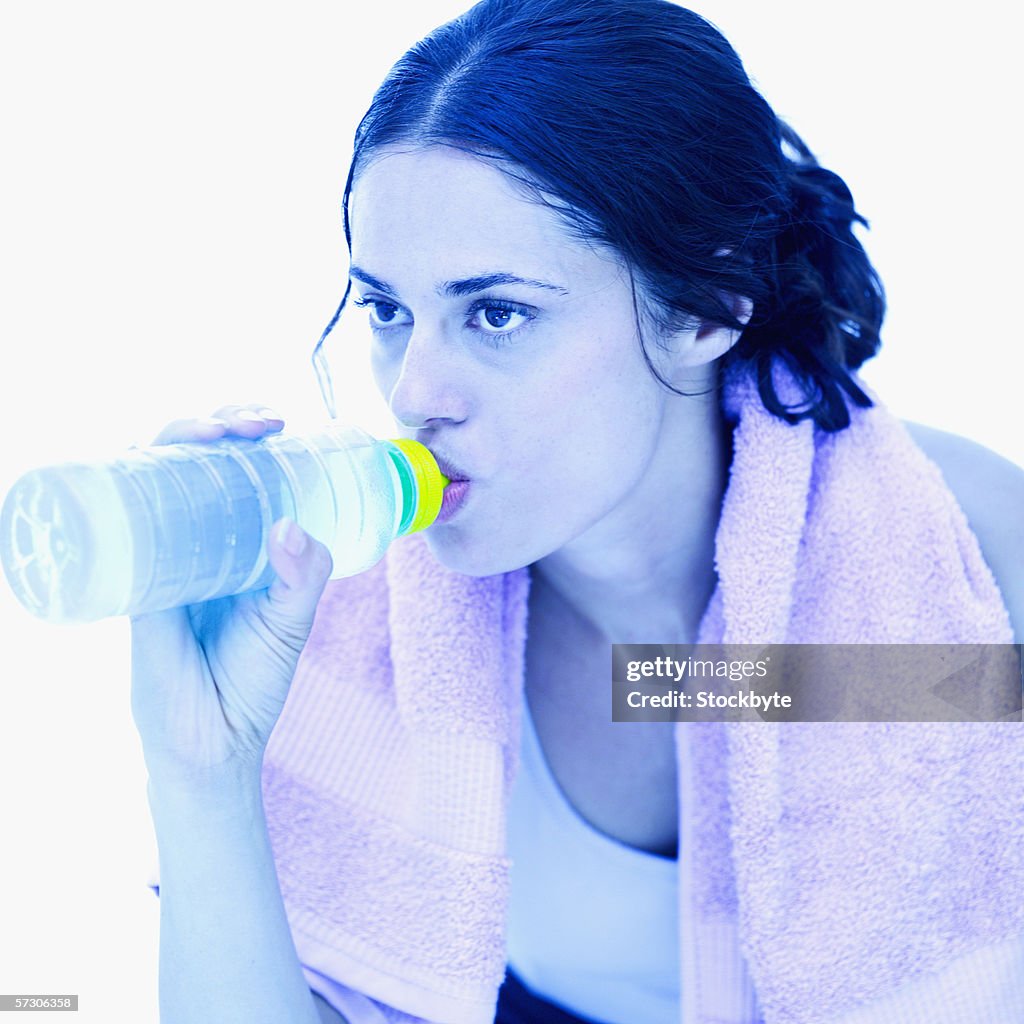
[(510, 349)]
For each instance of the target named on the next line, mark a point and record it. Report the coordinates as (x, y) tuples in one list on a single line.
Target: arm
[(226, 951), (208, 684), (328, 1014), (990, 490)]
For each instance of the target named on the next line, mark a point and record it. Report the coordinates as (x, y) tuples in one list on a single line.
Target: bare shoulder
[(990, 490), (328, 1014)]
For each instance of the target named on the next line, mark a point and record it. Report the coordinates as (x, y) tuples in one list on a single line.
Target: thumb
[(302, 566)]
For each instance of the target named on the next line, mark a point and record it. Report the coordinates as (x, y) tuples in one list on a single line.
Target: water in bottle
[(176, 524)]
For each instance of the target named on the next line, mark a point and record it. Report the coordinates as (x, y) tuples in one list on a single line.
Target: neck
[(645, 573)]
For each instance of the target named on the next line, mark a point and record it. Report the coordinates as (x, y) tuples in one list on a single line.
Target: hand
[(209, 680)]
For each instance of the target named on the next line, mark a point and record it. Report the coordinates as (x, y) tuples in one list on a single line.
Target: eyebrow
[(465, 286)]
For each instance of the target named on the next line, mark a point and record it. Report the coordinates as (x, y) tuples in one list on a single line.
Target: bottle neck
[(422, 484), (408, 492)]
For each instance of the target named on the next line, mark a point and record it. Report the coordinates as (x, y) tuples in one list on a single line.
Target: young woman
[(623, 305)]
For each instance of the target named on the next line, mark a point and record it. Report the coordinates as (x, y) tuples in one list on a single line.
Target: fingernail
[(251, 417), (269, 414), (213, 421), (291, 538)]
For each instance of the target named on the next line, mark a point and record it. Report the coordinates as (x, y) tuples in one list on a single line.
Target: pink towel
[(830, 861)]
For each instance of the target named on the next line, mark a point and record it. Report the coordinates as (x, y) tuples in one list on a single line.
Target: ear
[(702, 345)]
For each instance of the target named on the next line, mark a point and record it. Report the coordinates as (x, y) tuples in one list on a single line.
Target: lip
[(454, 494), (452, 500), (450, 470)]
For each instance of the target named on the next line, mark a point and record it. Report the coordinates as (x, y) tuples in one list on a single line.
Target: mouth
[(452, 500), (454, 474), (454, 494)]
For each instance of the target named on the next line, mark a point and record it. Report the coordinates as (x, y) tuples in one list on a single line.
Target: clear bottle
[(170, 525)]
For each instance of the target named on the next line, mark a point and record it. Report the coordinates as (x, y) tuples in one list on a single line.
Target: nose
[(429, 388)]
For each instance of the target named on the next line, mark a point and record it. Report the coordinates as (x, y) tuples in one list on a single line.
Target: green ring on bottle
[(430, 482)]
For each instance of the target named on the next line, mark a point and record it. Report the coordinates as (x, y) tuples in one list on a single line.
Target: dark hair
[(635, 120)]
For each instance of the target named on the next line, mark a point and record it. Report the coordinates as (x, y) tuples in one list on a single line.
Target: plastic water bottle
[(170, 525)]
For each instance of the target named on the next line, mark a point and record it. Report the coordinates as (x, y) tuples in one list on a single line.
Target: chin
[(456, 554)]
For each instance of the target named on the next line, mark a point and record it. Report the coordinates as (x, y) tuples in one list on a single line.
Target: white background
[(171, 241)]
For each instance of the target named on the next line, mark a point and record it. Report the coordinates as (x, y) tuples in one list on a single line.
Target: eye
[(382, 314), (385, 312), (500, 318)]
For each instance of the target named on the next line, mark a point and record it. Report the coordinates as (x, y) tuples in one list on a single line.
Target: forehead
[(459, 212)]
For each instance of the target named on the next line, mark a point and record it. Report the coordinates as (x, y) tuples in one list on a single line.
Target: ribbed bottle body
[(177, 524)]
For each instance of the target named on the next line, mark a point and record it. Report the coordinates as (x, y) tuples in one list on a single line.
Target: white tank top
[(593, 923)]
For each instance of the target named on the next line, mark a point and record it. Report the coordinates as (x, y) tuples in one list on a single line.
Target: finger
[(250, 420), (302, 566), (209, 428), (274, 420)]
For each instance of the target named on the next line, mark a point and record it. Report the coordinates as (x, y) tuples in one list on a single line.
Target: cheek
[(381, 371), (608, 393), (384, 371), (589, 427)]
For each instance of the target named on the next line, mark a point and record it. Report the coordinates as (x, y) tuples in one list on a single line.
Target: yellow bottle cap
[(430, 482)]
